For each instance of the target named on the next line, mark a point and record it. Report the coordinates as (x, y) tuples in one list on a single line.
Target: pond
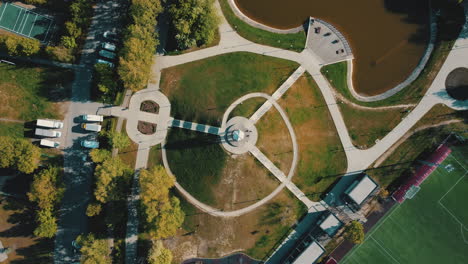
[(387, 37)]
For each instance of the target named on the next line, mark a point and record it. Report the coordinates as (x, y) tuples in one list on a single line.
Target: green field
[(430, 228)]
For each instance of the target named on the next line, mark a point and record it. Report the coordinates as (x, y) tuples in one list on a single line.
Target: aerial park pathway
[(358, 160)]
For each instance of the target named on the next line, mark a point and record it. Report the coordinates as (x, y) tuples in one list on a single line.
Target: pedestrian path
[(195, 127), (132, 222), (282, 178), (278, 93)]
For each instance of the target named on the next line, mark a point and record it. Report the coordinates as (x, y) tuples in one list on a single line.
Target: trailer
[(47, 133), (92, 118), (48, 123), (49, 143), (91, 127)]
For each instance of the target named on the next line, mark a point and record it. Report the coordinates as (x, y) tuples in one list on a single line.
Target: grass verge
[(294, 41), (201, 91), (196, 159), (29, 92)]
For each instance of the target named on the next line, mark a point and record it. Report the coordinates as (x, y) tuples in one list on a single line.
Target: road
[(78, 172)]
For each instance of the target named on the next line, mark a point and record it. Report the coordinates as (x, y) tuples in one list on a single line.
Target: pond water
[(388, 37)]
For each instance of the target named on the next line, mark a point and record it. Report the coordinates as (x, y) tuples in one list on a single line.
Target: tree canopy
[(46, 191), (355, 232), (163, 215), (112, 177), (158, 254), (93, 250), (19, 154), (195, 22)]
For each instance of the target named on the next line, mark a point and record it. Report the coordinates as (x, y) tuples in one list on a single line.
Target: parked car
[(49, 123), (92, 118), (90, 144), (91, 127), (109, 46), (105, 62), (47, 133), (49, 143), (107, 54), (111, 36)]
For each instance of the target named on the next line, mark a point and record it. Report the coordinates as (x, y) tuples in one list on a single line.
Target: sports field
[(25, 22), (430, 228)]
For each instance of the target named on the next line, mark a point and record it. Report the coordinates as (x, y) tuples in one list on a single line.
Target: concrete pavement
[(77, 169)]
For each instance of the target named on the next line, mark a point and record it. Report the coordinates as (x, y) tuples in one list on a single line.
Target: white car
[(111, 36), (109, 46), (49, 143)]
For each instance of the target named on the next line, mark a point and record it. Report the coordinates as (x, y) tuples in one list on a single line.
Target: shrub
[(60, 53), (355, 232)]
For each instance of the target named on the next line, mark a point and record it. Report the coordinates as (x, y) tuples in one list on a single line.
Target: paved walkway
[(277, 94), (357, 160), (72, 220)]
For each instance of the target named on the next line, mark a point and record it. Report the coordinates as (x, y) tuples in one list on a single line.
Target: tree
[(93, 209), (60, 53), (11, 45), (155, 184), (19, 154), (112, 177), (7, 152), (27, 156), (46, 188), (30, 47), (99, 155), (158, 254), (355, 232), (93, 250), (195, 22), (72, 29), (68, 42), (118, 140), (163, 214), (47, 224)]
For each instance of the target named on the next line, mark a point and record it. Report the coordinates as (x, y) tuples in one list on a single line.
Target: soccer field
[(25, 22), (430, 228)]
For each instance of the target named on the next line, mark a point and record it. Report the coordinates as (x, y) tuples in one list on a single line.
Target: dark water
[(388, 37)]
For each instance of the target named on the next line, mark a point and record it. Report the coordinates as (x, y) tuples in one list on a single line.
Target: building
[(330, 224), (360, 190), (308, 251)]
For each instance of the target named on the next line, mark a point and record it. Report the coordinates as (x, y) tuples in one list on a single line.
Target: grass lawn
[(430, 228), (28, 93), (11, 129), (155, 157), (294, 41), (399, 164), (367, 126), (128, 155), (255, 233), (201, 91), (197, 160), (321, 156)]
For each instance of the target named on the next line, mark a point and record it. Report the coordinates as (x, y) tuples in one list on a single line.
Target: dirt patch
[(254, 233), (146, 128), (274, 140), (244, 182), (149, 107), (16, 226)]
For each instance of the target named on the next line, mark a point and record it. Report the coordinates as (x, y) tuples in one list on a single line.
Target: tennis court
[(25, 22), (432, 227)]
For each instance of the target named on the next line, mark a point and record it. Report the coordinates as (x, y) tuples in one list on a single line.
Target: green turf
[(197, 160), (201, 91), (294, 41), (426, 229), (28, 92), (11, 129)]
